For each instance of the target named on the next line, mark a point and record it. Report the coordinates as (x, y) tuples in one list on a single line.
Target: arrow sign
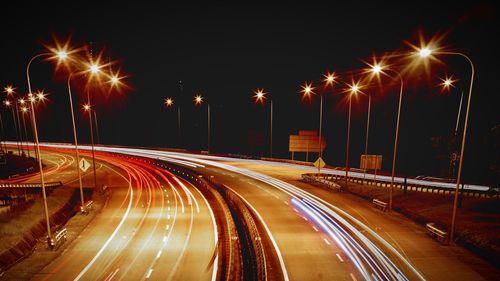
[(84, 165), (319, 163)]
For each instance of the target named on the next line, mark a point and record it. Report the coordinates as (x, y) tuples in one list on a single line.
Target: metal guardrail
[(380, 204), (440, 235), (89, 206), (323, 182), (29, 185), (60, 236), (406, 186)]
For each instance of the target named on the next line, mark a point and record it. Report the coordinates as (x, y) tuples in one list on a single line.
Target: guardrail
[(323, 182), (30, 185), (89, 206), (439, 234), (405, 186), (379, 204), (60, 236)]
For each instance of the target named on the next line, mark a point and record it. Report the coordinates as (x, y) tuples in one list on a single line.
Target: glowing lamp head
[(94, 68), (86, 107), (62, 55), (114, 80), (7, 103), (424, 52), (32, 99), (198, 100), (9, 90), (169, 102), (24, 109), (376, 69), (329, 78), (22, 101), (40, 96), (354, 89), (260, 95)]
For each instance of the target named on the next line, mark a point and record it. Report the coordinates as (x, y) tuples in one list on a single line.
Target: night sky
[(225, 51)]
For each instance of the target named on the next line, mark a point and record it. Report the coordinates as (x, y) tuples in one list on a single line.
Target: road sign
[(84, 165), (319, 163)]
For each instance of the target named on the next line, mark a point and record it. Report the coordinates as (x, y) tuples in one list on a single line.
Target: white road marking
[(159, 254), (149, 273), (326, 241), (353, 278), (315, 229), (340, 258)]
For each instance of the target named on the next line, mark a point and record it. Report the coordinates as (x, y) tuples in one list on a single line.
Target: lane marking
[(151, 271), (326, 241), (340, 258), (159, 254), (286, 203), (315, 229), (167, 227), (353, 278), (164, 239), (122, 221), (112, 275)]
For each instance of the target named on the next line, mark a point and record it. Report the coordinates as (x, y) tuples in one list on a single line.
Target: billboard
[(306, 141), (371, 162)]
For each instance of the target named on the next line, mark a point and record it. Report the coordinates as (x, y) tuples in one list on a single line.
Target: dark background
[(226, 50)]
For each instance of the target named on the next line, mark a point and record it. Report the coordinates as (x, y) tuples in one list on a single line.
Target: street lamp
[(10, 91), (198, 100), (169, 102), (427, 52), (8, 103), (307, 92), (353, 89), (260, 97), (24, 109), (37, 144)]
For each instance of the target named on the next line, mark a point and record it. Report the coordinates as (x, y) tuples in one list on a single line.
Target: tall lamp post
[(75, 137), (24, 109), (169, 102), (9, 90), (33, 120), (396, 137), (88, 108), (424, 53), (353, 90), (8, 103), (260, 97), (198, 100)]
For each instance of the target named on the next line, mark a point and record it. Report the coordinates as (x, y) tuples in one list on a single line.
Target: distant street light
[(8, 104), (169, 102), (426, 52), (307, 92), (24, 109), (198, 100), (260, 97), (353, 89), (10, 91)]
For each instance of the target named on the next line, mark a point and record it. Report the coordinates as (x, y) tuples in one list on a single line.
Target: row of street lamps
[(62, 54), (422, 53)]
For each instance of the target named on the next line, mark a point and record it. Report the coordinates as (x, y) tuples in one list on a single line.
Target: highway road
[(316, 234), (395, 247), (154, 225)]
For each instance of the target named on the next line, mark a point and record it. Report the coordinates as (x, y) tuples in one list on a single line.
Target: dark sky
[(226, 50)]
